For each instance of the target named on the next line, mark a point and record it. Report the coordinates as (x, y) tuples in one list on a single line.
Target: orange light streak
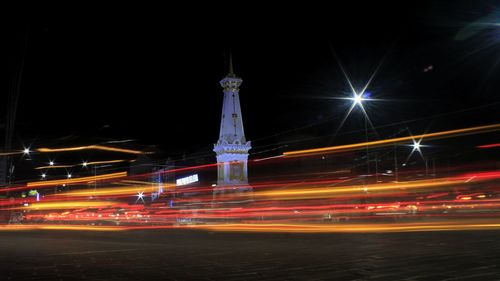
[(458, 225), (319, 192), (436, 135), (360, 228), (66, 205), (78, 180), (76, 165), (89, 147)]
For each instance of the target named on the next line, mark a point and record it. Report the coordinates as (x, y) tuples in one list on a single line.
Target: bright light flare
[(140, 196), (357, 99), (416, 145)]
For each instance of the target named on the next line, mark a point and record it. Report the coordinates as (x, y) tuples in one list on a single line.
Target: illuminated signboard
[(187, 180)]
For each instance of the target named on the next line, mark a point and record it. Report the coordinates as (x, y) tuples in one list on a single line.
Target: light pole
[(396, 176), (366, 139), (357, 100)]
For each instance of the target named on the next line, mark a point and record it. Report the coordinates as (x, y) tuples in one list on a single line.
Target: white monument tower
[(232, 147)]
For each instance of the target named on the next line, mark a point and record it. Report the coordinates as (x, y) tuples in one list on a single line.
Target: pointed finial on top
[(231, 63)]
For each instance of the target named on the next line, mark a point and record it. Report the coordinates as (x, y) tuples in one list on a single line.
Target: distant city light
[(43, 175), (51, 163), (69, 176), (26, 151), (84, 164)]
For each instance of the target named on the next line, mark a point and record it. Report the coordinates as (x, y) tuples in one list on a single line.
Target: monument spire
[(232, 147)]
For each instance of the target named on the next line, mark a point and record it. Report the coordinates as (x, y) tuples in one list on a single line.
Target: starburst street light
[(51, 163), (416, 145), (357, 96), (357, 99), (26, 150), (140, 196), (84, 164)]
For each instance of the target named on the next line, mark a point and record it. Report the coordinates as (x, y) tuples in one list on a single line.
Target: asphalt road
[(200, 255)]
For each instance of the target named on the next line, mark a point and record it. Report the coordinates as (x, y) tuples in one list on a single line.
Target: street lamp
[(140, 196), (358, 99), (416, 146)]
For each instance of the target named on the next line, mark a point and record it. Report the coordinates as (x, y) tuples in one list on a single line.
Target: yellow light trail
[(320, 192), (138, 182), (96, 147), (80, 164), (360, 228), (458, 225), (66, 205), (104, 162), (11, 153), (78, 180), (379, 143)]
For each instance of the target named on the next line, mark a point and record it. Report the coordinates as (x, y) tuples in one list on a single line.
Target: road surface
[(201, 255)]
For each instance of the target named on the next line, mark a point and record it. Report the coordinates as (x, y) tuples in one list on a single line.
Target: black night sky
[(152, 74)]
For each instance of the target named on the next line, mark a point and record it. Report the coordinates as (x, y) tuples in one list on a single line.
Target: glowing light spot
[(416, 145), (358, 99), (140, 195)]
